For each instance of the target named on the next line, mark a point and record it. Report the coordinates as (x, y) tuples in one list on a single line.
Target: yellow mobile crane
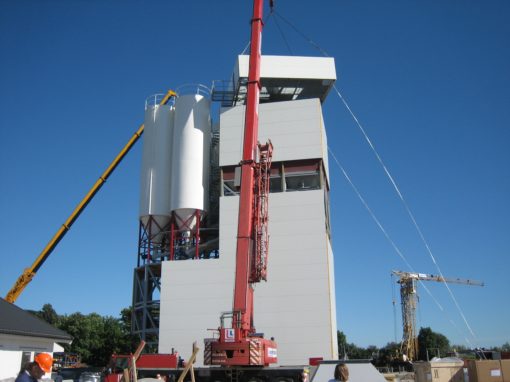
[(29, 273), (409, 300)]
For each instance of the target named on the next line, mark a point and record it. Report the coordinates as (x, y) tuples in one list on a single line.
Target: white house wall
[(12, 348), (10, 364)]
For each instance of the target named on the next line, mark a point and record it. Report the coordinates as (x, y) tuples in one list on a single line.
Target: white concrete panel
[(289, 212), (295, 128), (304, 242), (297, 271), (193, 295), (324, 144), (333, 319), (295, 305), (289, 67)]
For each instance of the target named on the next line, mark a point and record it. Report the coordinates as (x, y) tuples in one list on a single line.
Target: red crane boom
[(239, 345), (243, 293)]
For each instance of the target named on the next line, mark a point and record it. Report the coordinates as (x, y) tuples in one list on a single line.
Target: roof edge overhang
[(55, 338)]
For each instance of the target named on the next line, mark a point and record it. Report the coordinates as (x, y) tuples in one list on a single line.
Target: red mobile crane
[(240, 345)]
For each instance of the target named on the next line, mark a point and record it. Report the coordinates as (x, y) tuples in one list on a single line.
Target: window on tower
[(288, 176)]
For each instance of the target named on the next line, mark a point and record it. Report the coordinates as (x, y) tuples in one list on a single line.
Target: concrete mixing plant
[(189, 208), (213, 200)]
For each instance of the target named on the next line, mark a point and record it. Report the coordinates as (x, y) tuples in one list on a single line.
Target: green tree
[(357, 352), (388, 354), (48, 314), (342, 343), (372, 352), (130, 341), (462, 351), (87, 332), (95, 337), (459, 348), (432, 342), (117, 341), (352, 351)]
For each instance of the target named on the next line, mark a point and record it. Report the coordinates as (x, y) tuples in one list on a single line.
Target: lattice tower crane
[(409, 300)]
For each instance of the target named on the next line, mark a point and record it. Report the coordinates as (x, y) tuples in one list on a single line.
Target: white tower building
[(296, 305)]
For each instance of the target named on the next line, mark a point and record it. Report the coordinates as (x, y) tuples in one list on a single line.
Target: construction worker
[(305, 375), (34, 371), (341, 372)]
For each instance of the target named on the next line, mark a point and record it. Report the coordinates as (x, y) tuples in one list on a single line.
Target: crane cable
[(395, 247), (264, 23), (390, 177), (406, 206)]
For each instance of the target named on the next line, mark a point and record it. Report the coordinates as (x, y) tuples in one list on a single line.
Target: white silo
[(156, 173), (190, 158)]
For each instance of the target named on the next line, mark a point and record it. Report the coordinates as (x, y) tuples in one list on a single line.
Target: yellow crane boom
[(407, 281), (29, 273)]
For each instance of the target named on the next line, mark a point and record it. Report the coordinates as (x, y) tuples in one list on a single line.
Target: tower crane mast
[(409, 300)]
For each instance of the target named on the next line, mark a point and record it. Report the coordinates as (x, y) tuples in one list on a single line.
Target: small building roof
[(16, 321)]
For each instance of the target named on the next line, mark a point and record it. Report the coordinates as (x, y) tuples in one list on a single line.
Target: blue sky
[(428, 81)]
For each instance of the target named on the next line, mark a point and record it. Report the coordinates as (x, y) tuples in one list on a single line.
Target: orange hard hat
[(45, 361)]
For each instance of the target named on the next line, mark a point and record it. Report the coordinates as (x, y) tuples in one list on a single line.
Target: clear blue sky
[(429, 81)]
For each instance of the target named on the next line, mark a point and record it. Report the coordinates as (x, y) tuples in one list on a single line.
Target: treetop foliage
[(95, 337), (430, 344)]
